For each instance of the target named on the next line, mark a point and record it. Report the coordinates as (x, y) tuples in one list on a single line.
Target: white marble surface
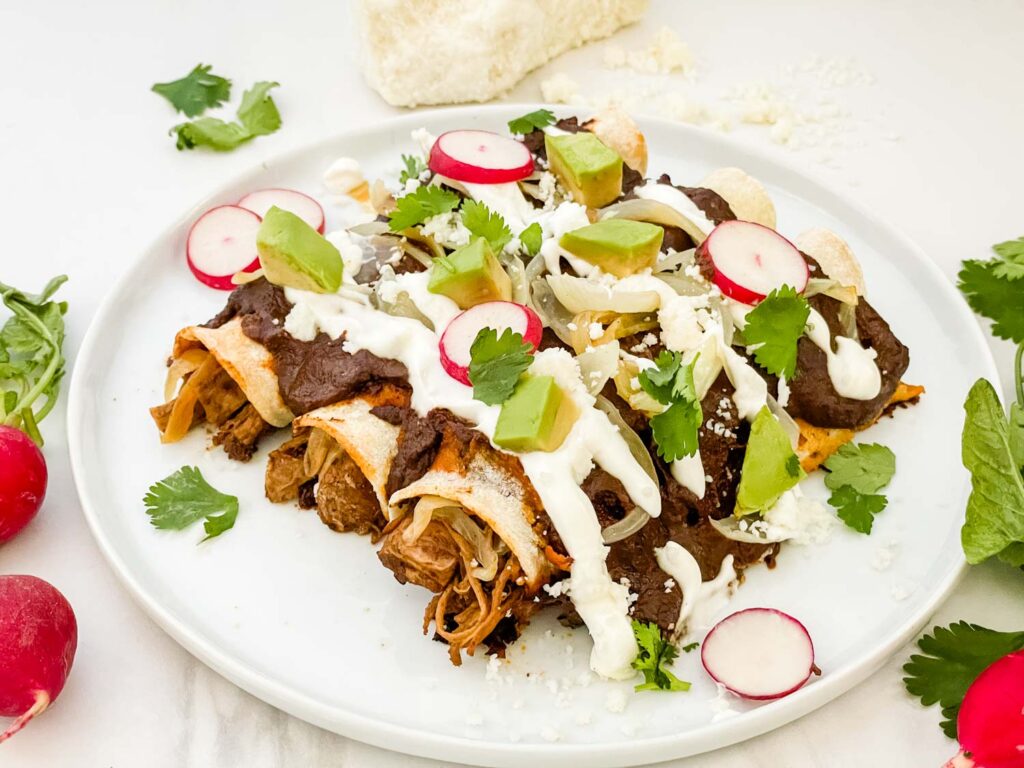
[(89, 176)]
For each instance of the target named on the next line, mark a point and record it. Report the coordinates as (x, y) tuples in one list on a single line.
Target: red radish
[(38, 637), (990, 725), (22, 481), (462, 331), (221, 243), (759, 654), (302, 205), (750, 261), (480, 157)]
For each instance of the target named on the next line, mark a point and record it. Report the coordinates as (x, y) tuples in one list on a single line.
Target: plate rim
[(394, 736)]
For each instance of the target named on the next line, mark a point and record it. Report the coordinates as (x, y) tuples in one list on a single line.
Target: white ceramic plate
[(309, 621)]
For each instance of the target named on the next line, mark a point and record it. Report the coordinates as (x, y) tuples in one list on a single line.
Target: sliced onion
[(244, 278), (189, 361), (729, 527), (683, 285), (382, 201), (626, 527), (616, 326), (180, 420), (709, 364), (454, 515), (370, 228), (844, 293), (848, 320), (635, 397), (637, 518), (643, 209), (551, 312), (517, 274), (429, 245), (675, 261), (791, 428), (402, 305), (578, 294), (598, 364), (422, 514), (321, 451)]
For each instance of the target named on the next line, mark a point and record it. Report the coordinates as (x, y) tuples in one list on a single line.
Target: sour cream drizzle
[(673, 198), (701, 599), (602, 603)]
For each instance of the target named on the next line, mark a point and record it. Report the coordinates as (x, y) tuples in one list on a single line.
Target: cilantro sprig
[(995, 289), (531, 238), (496, 363), (856, 473), (420, 204), (656, 654), (196, 92), (531, 120), (257, 116), (775, 326), (31, 356), (413, 167), (481, 221), (952, 659), (184, 498), (670, 382)]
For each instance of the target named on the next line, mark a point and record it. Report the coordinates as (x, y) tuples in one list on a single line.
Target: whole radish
[(22, 481), (990, 725), (38, 637)]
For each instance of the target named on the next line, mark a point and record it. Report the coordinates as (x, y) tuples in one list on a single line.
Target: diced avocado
[(537, 417), (295, 255), (471, 275), (618, 246), (589, 170), (770, 467)]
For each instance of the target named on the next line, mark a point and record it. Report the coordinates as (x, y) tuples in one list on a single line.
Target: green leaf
[(659, 381), (857, 509), (419, 205), (210, 132), (990, 293), (531, 238), (675, 430), (690, 647), (258, 112), (995, 509), (775, 325), (481, 221), (196, 92), (184, 498), (496, 363), (865, 467), (414, 166), (953, 658), (1011, 251), (654, 658), (531, 120)]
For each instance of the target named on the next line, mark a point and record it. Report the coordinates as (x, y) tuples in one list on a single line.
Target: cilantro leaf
[(183, 498), (994, 521), (419, 205), (675, 430), (671, 383), (857, 509), (655, 656), (531, 120), (210, 132), (776, 325), (865, 467), (993, 289), (195, 92), (690, 647), (258, 112), (496, 363), (531, 238), (953, 658), (414, 166), (481, 221), (31, 356)]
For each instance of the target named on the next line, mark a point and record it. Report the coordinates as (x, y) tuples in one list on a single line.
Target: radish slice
[(990, 725), (480, 157), (221, 243), (461, 332), (750, 261), (759, 654), (303, 206)]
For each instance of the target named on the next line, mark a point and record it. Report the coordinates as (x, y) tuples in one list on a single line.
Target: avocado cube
[(618, 246), (295, 255), (537, 417), (770, 467), (471, 275), (587, 168)]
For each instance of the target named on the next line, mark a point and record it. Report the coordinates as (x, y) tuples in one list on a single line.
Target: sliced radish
[(221, 243), (303, 206), (750, 261), (759, 654), (990, 725), (461, 332), (480, 157)]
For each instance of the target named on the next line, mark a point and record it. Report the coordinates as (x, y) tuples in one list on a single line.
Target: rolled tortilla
[(834, 256), (745, 195)]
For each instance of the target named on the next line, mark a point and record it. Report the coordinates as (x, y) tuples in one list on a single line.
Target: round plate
[(309, 621)]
